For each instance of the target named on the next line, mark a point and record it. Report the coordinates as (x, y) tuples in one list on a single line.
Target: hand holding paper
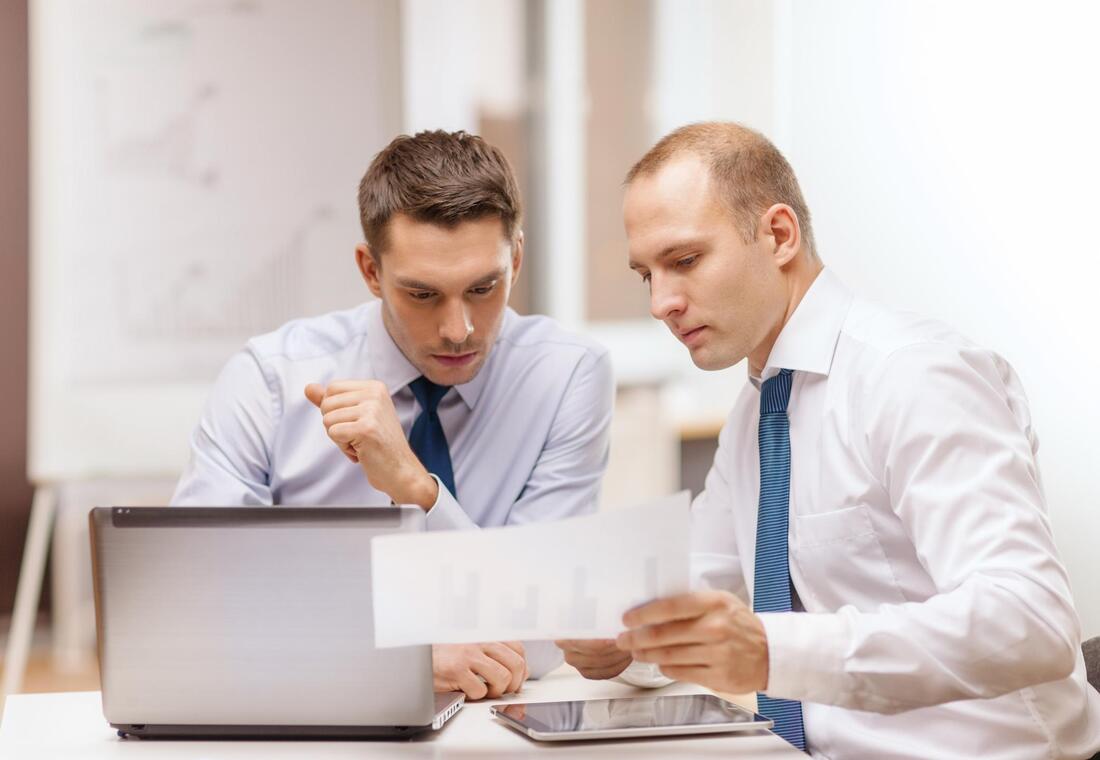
[(571, 579)]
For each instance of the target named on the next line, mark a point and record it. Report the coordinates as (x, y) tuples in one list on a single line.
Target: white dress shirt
[(938, 618), (528, 436)]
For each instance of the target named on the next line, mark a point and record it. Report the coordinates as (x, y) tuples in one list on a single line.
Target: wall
[(948, 152), (15, 493)]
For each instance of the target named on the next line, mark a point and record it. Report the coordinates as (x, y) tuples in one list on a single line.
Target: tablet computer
[(628, 717)]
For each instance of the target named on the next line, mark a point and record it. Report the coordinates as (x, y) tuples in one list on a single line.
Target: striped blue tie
[(427, 439), (772, 584)]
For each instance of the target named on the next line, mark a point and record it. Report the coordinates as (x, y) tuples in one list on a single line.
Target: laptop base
[(314, 733), (446, 705)]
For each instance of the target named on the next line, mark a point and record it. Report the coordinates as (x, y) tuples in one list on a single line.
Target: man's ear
[(370, 268), (780, 227), (517, 256)]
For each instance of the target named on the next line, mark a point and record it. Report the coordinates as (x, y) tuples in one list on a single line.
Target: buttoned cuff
[(805, 655), (446, 514), (542, 657), (644, 674)]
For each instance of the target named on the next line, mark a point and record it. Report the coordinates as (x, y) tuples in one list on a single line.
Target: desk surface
[(72, 725)]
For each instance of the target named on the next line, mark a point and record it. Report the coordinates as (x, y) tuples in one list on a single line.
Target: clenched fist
[(480, 670), (597, 659), (359, 418)]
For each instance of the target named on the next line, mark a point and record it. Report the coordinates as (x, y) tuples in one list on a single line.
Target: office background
[(179, 175)]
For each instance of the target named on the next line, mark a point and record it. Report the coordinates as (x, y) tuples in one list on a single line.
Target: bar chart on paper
[(569, 579)]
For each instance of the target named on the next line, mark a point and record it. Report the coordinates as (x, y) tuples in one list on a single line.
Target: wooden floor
[(43, 676), (42, 673)]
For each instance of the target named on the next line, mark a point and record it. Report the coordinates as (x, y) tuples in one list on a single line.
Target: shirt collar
[(393, 368), (807, 343)]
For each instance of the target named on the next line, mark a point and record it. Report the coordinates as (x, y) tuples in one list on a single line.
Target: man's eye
[(483, 290), (645, 277), (421, 295), (687, 261)]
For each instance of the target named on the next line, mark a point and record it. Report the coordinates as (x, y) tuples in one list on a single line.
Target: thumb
[(315, 392)]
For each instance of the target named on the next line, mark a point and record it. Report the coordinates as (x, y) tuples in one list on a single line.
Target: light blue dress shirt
[(528, 436)]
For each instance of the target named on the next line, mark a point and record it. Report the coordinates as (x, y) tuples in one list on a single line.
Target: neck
[(800, 275)]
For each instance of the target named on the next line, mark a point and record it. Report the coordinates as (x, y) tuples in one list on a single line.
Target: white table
[(39, 726)]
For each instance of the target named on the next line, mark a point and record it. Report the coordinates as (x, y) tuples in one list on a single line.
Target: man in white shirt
[(436, 394), (872, 545)]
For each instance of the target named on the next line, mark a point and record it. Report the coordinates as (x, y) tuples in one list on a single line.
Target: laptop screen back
[(249, 616)]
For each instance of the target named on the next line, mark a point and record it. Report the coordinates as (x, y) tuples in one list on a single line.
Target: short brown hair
[(443, 178), (749, 172)]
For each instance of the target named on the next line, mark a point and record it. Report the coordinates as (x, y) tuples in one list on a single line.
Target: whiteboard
[(194, 174)]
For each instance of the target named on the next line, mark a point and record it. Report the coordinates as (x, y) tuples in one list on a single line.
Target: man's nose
[(665, 299), (456, 326)]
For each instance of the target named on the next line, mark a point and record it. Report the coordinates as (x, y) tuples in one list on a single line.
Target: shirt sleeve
[(948, 434), (565, 481), (230, 460)]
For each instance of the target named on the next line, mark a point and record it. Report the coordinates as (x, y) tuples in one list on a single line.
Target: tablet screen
[(628, 713)]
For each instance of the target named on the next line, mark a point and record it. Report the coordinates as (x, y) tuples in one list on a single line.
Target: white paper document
[(557, 580)]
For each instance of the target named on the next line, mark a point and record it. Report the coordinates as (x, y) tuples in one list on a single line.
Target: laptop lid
[(249, 616)]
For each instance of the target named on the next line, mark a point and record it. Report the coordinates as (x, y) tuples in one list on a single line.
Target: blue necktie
[(426, 437), (772, 581)]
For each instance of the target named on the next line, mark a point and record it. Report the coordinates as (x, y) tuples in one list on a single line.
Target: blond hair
[(749, 172)]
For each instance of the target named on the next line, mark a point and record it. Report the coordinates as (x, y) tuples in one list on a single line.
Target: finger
[(345, 436), (515, 663), (504, 654), (521, 650), (700, 630), (344, 433), (334, 401), (343, 414), (584, 660), (699, 655), (681, 607), (341, 385), (690, 674), (472, 686), (315, 392), (603, 673), (589, 646), (497, 677), (518, 677), (344, 386)]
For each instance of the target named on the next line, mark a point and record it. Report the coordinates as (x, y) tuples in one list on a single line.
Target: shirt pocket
[(841, 561)]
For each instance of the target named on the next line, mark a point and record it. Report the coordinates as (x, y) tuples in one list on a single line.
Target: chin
[(707, 360), (453, 375)]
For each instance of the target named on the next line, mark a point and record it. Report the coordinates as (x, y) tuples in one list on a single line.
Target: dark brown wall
[(618, 47), (15, 493)]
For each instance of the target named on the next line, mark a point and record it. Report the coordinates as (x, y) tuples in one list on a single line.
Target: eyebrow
[(411, 284), (671, 251)]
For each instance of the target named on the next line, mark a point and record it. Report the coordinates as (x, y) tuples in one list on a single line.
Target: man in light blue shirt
[(508, 416)]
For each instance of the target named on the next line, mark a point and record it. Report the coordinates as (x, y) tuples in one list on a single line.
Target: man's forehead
[(681, 192), (462, 264), (686, 171), (436, 279)]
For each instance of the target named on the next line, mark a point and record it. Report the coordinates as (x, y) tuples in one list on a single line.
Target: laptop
[(252, 622)]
